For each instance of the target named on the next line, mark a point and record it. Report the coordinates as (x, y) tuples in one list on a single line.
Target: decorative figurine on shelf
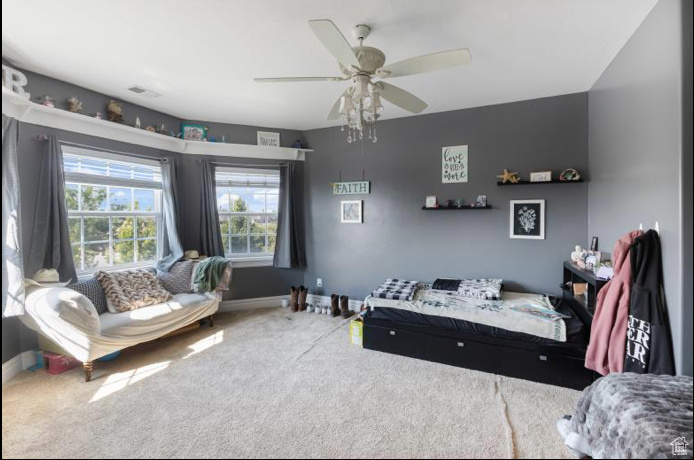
[(138, 123), (47, 101), (115, 111), (98, 116), (569, 175), (577, 255), (162, 129), (508, 176), (459, 203), (449, 203), (74, 105), (299, 144), (151, 129)]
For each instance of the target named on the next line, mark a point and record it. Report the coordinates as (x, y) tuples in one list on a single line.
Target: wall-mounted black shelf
[(527, 182), (455, 208)]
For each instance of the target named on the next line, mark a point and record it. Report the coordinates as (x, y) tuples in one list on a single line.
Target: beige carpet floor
[(269, 383)]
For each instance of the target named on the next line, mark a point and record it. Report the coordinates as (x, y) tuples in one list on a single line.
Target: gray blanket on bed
[(633, 416)]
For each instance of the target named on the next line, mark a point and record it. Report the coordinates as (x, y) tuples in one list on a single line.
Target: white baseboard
[(276, 301), (19, 363), (252, 304)]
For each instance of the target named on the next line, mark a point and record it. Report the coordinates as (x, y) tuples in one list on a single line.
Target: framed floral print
[(527, 219)]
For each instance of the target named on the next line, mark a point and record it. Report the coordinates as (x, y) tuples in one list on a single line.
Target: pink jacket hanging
[(608, 332)]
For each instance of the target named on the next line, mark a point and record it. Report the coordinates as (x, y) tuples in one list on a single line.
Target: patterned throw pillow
[(177, 280), (485, 289), (132, 289), (91, 289)]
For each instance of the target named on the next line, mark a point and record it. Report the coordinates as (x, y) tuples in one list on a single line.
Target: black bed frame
[(557, 363)]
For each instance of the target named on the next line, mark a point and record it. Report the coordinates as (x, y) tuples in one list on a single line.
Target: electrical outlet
[(319, 282)]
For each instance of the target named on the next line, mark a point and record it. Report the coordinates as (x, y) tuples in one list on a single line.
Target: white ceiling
[(203, 55)]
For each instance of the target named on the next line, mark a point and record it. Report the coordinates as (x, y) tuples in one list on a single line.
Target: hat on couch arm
[(46, 277)]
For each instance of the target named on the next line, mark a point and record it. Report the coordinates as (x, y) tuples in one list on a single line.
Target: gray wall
[(246, 282), (398, 239), (635, 151)]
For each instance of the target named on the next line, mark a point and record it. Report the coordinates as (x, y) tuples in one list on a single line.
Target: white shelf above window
[(37, 114)]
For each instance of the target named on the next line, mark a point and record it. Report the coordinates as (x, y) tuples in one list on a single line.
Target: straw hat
[(47, 277), (192, 254)]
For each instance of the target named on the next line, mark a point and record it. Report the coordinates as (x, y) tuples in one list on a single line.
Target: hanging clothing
[(606, 348), (649, 343)]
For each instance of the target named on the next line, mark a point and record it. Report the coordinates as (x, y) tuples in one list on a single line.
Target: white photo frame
[(351, 211), (430, 201), (268, 139), (527, 219), (541, 176)]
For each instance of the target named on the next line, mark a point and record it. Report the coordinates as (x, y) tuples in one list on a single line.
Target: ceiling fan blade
[(401, 98), (427, 63), (292, 79), (334, 41), (334, 113)]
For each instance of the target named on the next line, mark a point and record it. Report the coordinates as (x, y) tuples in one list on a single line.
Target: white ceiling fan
[(360, 105)]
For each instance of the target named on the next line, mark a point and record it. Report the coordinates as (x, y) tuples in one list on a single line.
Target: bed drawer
[(394, 341), (462, 353), (546, 368)]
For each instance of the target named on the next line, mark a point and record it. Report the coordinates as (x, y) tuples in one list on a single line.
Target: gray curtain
[(50, 240), (172, 248), (210, 231), (289, 251), (12, 261)]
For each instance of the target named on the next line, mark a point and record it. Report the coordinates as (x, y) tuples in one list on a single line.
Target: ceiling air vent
[(143, 91)]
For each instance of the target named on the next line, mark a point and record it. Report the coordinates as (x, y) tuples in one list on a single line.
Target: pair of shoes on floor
[(297, 298), (339, 306)]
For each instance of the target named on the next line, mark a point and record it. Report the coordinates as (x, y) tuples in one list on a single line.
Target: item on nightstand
[(577, 255), (356, 332), (569, 175), (344, 307), (57, 364), (605, 272), (74, 105), (334, 305), (580, 288), (303, 292), (508, 176), (46, 101), (114, 109)]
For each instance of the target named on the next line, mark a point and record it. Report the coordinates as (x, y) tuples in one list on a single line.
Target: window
[(114, 209), (247, 201)]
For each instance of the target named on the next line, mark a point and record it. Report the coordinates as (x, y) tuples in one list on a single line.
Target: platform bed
[(513, 355)]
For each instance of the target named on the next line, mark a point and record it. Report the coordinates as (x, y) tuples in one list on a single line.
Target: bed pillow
[(484, 289), (131, 289), (177, 280), (446, 284), (91, 289)]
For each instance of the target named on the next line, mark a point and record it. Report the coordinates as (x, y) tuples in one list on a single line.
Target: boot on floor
[(303, 292), (344, 307), (294, 299), (334, 305)]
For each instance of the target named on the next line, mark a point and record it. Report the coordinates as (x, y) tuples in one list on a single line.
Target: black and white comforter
[(632, 416)]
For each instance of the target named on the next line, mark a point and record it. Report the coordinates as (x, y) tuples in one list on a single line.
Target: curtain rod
[(100, 149)]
